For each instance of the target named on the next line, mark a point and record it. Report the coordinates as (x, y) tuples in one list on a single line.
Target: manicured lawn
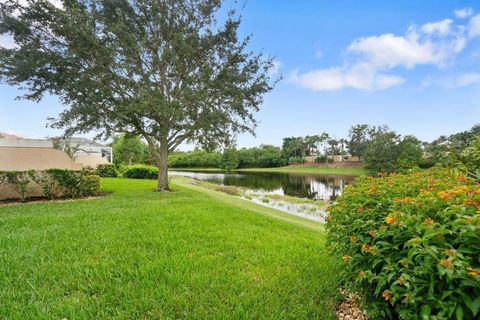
[(137, 254), (292, 169)]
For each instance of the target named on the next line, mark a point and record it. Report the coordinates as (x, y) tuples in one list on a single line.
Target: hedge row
[(106, 171), (411, 244), (54, 183), (140, 171)]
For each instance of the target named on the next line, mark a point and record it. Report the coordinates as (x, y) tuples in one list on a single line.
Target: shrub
[(90, 185), (410, 244), (106, 171), (295, 160), (321, 159), (140, 171), (194, 159), (47, 183), (265, 156), (426, 163), (53, 182), (16, 180), (69, 181)]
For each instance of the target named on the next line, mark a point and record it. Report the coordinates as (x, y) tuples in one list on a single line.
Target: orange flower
[(450, 252), (478, 191), (407, 200), (366, 247), (473, 272), (390, 219), (446, 263), (346, 258), (444, 195), (461, 189), (360, 210), (428, 221), (470, 202), (462, 178), (403, 200), (372, 233), (387, 295), (353, 239)]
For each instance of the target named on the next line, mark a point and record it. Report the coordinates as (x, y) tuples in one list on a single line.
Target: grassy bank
[(190, 254), (290, 169)]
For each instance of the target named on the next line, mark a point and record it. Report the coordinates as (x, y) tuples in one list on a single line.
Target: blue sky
[(412, 65)]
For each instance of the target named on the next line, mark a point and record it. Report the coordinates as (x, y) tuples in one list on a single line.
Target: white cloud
[(372, 60), (474, 26), (465, 79), (440, 27), (338, 78), (388, 51), (463, 13), (453, 81), (275, 69)]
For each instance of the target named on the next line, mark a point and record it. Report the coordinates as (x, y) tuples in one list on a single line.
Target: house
[(17, 153)]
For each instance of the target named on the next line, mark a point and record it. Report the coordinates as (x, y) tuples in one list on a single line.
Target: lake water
[(261, 186)]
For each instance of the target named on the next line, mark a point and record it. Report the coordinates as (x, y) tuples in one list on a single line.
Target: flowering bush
[(411, 244)]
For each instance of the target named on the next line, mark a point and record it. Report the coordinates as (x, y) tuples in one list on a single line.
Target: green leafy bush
[(90, 185), (265, 156), (410, 244), (53, 182), (427, 163), (140, 171), (468, 160), (194, 159), (17, 181), (295, 160), (106, 171), (50, 187)]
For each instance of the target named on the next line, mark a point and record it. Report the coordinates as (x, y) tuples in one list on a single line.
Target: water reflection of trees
[(304, 186)]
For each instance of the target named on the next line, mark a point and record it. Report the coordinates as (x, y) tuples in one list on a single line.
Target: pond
[(278, 189)]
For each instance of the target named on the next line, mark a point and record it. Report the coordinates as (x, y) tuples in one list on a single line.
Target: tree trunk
[(162, 184)]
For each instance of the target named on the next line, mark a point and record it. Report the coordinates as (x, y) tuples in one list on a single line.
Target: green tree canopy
[(129, 150), (165, 70), (359, 137), (229, 160)]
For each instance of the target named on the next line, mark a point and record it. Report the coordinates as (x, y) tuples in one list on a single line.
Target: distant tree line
[(379, 147)]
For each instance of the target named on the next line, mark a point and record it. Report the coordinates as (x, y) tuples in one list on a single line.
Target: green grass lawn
[(291, 169), (137, 254)]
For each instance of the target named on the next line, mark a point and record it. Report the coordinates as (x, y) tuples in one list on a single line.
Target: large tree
[(359, 138), (166, 70)]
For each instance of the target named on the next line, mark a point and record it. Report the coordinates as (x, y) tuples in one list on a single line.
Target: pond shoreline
[(356, 171)]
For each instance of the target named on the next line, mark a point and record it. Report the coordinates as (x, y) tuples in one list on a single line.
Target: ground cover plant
[(410, 244), (140, 254)]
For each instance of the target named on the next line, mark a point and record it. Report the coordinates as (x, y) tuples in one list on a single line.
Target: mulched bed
[(11, 202), (349, 309)]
